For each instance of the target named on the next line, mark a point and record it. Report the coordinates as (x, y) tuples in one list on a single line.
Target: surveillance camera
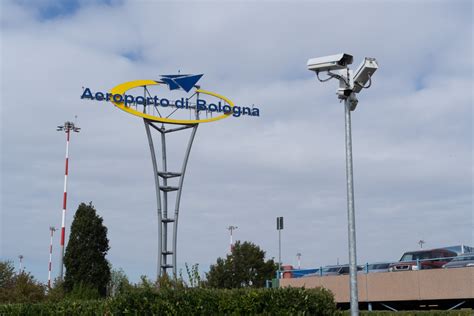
[(333, 62), (364, 73)]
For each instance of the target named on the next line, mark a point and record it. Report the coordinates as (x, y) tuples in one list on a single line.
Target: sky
[(412, 130)]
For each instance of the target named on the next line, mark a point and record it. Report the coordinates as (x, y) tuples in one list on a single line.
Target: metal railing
[(365, 268)]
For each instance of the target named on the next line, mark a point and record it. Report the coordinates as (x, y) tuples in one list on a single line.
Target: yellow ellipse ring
[(124, 87)]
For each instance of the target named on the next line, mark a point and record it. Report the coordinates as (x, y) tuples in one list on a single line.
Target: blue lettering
[(118, 98), (87, 94), (212, 107), (179, 103), (140, 100), (99, 96), (164, 102), (182, 103), (200, 104), (227, 108), (237, 111), (129, 99)]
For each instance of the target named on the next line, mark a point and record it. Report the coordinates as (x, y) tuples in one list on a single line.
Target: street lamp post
[(350, 83), (67, 128), (20, 269), (231, 228), (421, 242)]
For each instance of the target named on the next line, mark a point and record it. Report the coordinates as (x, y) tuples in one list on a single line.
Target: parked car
[(466, 260), (378, 267), (301, 273), (312, 274), (333, 270), (338, 270), (428, 259)]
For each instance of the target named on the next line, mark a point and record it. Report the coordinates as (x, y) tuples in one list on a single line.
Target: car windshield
[(410, 256)]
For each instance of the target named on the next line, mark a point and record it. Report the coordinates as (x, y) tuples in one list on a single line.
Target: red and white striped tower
[(231, 229), (67, 128), (52, 230)]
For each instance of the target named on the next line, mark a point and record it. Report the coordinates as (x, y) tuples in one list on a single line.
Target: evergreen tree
[(86, 266), (244, 267)]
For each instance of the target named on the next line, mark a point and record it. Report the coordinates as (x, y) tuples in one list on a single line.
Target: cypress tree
[(85, 262)]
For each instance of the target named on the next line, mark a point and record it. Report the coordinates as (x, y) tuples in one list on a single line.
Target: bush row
[(464, 312), (191, 301)]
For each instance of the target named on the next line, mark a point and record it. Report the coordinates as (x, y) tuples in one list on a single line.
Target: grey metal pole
[(165, 199), (351, 212), (158, 196), (178, 197), (279, 254)]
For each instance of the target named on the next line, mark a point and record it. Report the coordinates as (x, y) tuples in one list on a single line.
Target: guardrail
[(297, 273)]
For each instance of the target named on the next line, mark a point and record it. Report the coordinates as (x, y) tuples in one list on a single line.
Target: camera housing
[(364, 73), (332, 62)]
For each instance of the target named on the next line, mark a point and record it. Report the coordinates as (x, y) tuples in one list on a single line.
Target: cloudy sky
[(412, 130)]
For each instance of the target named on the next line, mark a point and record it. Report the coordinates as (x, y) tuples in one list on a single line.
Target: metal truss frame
[(162, 188)]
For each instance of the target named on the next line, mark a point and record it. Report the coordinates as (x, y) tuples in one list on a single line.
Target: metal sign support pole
[(178, 197), (162, 188)]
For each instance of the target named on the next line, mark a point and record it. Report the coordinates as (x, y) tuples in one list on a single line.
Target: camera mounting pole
[(350, 83)]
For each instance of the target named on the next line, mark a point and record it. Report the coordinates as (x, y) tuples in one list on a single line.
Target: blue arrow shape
[(170, 82), (186, 82)]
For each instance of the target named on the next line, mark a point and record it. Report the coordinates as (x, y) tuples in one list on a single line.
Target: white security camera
[(327, 63), (364, 73)]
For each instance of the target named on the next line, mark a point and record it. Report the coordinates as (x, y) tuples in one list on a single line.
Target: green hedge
[(464, 312), (287, 301)]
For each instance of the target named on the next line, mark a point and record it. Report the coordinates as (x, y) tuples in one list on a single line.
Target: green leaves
[(86, 267), (16, 288), (244, 267), (7, 272)]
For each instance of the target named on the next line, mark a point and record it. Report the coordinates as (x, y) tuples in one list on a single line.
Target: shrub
[(56, 292), (20, 288), (190, 301)]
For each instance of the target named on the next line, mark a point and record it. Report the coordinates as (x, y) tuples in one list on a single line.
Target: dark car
[(332, 270), (465, 260), (338, 270), (378, 267), (427, 259)]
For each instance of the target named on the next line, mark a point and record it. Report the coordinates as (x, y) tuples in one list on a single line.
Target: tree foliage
[(18, 288), (7, 272), (85, 262), (244, 267), (118, 283)]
